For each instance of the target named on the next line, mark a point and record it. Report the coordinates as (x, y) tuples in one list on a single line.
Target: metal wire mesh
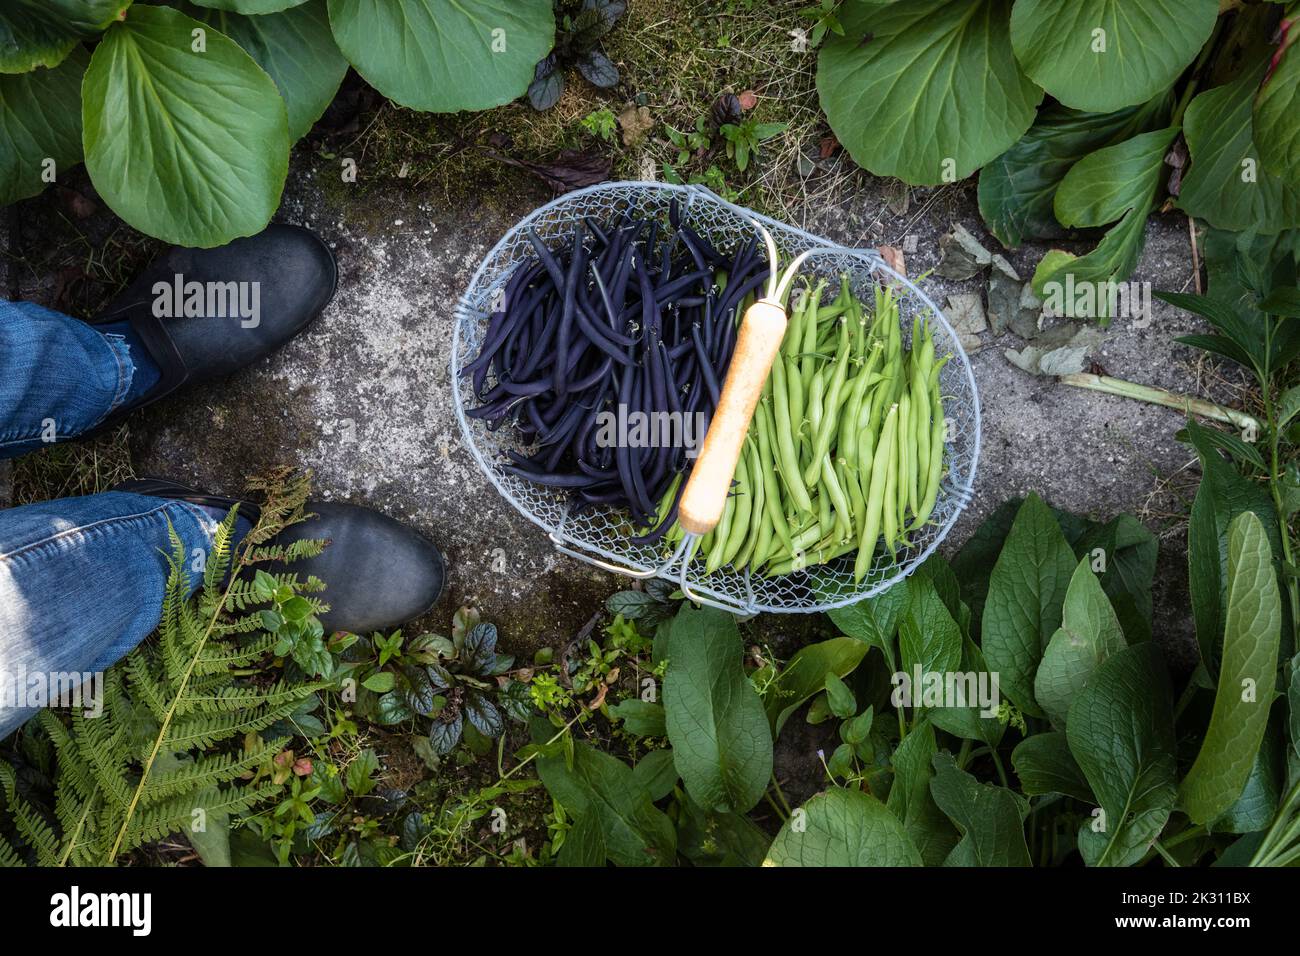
[(603, 536)]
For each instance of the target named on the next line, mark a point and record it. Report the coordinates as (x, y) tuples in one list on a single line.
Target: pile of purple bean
[(625, 313)]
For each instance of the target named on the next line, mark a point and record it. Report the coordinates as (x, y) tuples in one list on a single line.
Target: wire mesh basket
[(602, 536)]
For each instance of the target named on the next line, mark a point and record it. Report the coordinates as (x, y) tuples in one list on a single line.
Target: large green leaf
[(603, 790), (973, 564), (990, 819), (298, 51), (36, 33), (1226, 186), (1222, 495), (28, 42), (842, 828), (40, 118), (1115, 183), (805, 675), (875, 620), (1089, 633), (1129, 553), (445, 55), (83, 18), (1293, 704), (1277, 113), (928, 90), (1104, 185), (1026, 592), (251, 6), (1247, 675), (1253, 810), (189, 147), (1103, 55), (1017, 190), (929, 640), (910, 799), (719, 839), (1044, 765), (1121, 734), (722, 745), (969, 722)]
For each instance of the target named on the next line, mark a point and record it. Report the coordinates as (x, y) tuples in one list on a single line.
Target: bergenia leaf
[(927, 90), (172, 157), (1104, 55)]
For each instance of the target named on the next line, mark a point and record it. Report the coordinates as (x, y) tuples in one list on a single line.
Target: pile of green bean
[(846, 445)]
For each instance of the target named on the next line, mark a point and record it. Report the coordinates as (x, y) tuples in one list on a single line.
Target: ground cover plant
[(1069, 109), (190, 167)]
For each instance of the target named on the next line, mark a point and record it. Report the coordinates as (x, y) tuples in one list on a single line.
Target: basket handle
[(757, 345)]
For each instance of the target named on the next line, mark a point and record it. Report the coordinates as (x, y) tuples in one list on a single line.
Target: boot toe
[(378, 573)]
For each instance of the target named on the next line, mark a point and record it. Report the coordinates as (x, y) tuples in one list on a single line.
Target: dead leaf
[(570, 169), (636, 123), (898, 197), (600, 697), (829, 144), (963, 256), (1060, 350), (966, 314), (893, 257)]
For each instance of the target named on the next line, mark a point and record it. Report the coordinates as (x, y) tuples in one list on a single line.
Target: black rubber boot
[(378, 572), (287, 271)]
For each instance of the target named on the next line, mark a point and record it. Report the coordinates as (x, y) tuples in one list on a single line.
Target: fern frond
[(9, 857), (203, 730), (75, 774), (222, 656), (206, 773), (145, 683), (8, 781), (218, 563), (243, 595), (242, 697), (104, 749), (237, 628), (177, 815), (35, 831), (287, 553)]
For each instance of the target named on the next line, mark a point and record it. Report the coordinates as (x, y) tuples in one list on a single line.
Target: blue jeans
[(81, 579)]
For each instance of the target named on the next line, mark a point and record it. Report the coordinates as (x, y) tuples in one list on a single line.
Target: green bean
[(839, 501), (852, 489), (808, 360), (720, 533), (904, 451), (938, 437), (873, 517), (741, 505), (795, 388), (816, 392), (826, 430), (889, 513), (810, 557), (771, 492), (787, 461)]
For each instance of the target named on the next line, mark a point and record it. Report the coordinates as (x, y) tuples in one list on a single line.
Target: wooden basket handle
[(705, 497)]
